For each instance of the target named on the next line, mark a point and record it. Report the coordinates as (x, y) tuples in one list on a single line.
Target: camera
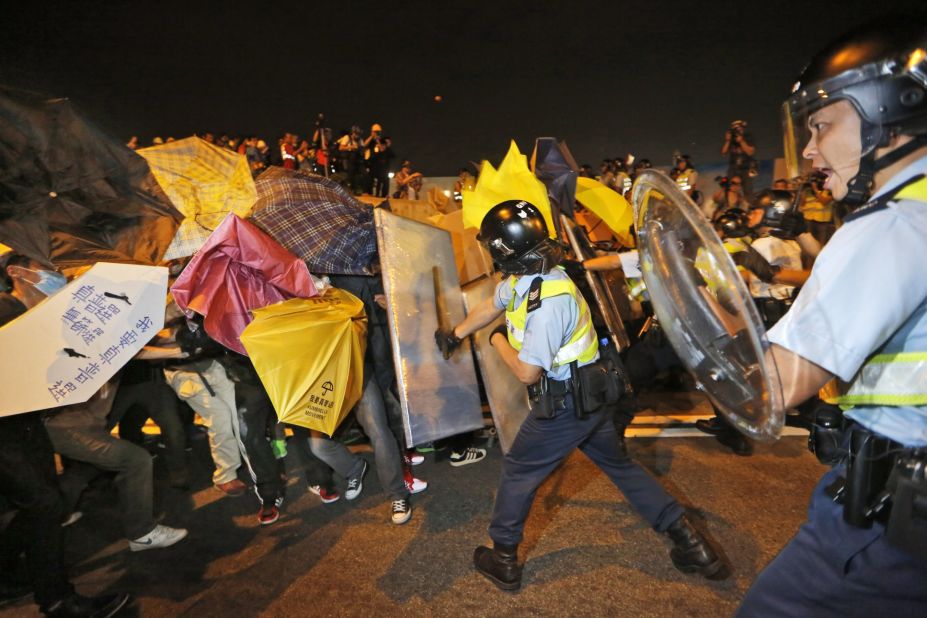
[(723, 181)]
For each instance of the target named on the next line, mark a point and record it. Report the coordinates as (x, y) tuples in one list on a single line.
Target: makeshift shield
[(240, 268), (508, 398), (609, 289), (705, 308), (309, 354), (205, 183), (440, 398), (64, 349)]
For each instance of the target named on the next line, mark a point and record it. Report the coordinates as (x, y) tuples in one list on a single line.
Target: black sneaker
[(401, 511), (356, 484), (77, 606)]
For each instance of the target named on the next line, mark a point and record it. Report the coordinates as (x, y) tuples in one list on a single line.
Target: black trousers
[(29, 482)]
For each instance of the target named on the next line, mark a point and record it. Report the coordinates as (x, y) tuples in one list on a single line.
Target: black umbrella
[(69, 194), (553, 164)]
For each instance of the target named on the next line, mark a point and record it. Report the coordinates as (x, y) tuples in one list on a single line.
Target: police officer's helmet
[(775, 203), (881, 69), (517, 238), (732, 224)]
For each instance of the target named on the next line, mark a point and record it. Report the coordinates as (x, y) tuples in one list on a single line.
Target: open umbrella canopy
[(309, 354), (512, 181), (609, 206), (240, 268), (71, 195), (318, 220), (205, 183), (554, 165), (65, 348)]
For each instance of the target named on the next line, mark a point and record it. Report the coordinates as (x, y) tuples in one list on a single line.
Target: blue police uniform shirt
[(547, 328), (867, 294)]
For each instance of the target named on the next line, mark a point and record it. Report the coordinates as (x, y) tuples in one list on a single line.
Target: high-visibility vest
[(887, 378), (898, 379), (583, 344)]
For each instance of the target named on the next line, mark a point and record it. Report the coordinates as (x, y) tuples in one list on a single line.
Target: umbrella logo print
[(327, 387)]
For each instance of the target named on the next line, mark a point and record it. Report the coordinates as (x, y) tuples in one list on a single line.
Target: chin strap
[(859, 189)]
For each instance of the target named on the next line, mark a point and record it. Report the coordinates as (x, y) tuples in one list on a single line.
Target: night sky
[(609, 77)]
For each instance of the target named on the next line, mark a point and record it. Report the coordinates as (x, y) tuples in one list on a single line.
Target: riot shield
[(705, 308)]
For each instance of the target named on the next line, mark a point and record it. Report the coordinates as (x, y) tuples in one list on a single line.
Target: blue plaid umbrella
[(317, 219)]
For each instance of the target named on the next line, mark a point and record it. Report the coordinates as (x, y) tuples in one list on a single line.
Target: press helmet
[(775, 203), (732, 224), (881, 70), (518, 240)]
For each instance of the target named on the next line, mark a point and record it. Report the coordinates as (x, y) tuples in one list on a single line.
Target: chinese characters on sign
[(89, 315)]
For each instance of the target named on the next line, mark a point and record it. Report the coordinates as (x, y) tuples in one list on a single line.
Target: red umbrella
[(238, 269)]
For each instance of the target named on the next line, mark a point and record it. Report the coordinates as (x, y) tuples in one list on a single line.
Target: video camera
[(723, 181)]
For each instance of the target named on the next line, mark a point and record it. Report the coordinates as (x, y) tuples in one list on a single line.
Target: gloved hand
[(499, 329), (750, 259), (447, 342), (793, 224)]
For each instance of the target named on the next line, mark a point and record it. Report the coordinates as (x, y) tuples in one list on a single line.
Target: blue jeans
[(371, 414), (542, 444)]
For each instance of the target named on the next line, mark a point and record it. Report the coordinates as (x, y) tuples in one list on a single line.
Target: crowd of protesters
[(361, 161), (192, 388)]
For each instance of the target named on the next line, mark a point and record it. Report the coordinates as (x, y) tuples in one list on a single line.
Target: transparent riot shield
[(703, 305)]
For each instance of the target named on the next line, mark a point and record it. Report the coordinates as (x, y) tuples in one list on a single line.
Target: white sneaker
[(416, 485), (161, 536), (356, 484), (469, 456), (401, 511)]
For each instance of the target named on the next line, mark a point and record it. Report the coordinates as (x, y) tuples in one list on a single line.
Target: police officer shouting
[(549, 343), (862, 317)]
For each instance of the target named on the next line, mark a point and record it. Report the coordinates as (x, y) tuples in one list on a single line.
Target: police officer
[(548, 329), (862, 317)]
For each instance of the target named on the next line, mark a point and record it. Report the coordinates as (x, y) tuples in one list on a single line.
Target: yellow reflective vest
[(892, 378), (583, 344)]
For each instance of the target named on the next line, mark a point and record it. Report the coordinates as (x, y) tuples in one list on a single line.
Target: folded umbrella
[(205, 183), (318, 220), (240, 268), (309, 354)]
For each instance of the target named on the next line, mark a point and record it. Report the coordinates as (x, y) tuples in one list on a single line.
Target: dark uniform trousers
[(831, 568), (542, 444)]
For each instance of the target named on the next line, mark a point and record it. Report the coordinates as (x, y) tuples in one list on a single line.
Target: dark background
[(609, 77)]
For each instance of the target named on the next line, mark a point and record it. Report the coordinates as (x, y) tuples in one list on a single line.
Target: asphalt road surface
[(586, 553)]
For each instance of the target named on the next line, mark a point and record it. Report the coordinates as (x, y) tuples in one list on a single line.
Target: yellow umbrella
[(607, 205), (205, 183), (309, 354), (512, 181)]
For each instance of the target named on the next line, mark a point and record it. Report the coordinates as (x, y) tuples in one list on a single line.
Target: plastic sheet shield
[(508, 398), (705, 308), (439, 398)]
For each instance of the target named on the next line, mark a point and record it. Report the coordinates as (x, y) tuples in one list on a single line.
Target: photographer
[(377, 153), (740, 148), (730, 195)]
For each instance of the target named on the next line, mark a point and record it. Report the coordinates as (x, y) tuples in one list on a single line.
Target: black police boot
[(691, 552), (499, 565)]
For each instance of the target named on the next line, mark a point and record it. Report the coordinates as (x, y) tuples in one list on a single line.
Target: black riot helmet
[(881, 70), (732, 224), (775, 203), (517, 238)]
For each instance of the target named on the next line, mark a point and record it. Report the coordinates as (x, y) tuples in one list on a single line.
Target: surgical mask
[(49, 282)]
